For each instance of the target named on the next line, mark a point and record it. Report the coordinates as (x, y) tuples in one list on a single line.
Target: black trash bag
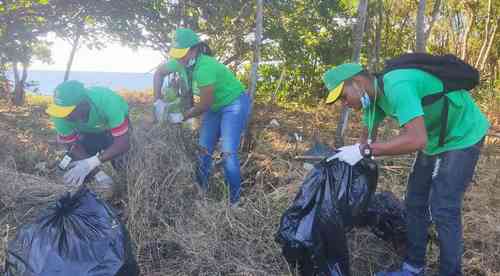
[(77, 236), (386, 218), (332, 199)]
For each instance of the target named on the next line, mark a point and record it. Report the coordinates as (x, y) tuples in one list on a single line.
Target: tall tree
[(489, 34), (21, 25), (257, 45), (469, 16), (259, 14), (423, 33), (75, 41), (358, 31)]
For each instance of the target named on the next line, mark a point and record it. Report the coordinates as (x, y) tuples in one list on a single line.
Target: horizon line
[(85, 71)]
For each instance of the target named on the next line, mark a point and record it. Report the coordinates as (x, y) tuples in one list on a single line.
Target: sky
[(113, 58)]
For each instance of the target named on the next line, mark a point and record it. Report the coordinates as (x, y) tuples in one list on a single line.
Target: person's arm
[(76, 151), (412, 138), (206, 100), (121, 144), (158, 78)]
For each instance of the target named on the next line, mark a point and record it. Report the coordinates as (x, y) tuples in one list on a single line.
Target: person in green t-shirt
[(93, 123), (224, 105), (441, 171)]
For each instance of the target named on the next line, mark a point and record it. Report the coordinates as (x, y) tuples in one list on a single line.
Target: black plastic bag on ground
[(78, 236), (332, 199), (386, 218)]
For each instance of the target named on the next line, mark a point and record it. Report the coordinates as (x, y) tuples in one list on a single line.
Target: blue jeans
[(436, 187), (227, 124)]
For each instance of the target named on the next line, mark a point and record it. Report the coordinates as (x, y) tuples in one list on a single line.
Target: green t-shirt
[(108, 111), (401, 100), (208, 71)]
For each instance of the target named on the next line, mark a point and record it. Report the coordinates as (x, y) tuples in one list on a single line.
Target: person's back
[(227, 88), (108, 110), (401, 99)]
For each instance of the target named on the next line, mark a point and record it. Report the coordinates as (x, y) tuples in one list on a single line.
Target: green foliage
[(152, 23), (21, 25), (306, 37), (301, 38)]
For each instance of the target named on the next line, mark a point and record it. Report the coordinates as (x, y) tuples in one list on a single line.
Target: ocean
[(46, 81)]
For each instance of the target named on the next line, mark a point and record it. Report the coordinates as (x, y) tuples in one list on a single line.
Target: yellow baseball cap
[(67, 96), (334, 94), (335, 77), (183, 40)]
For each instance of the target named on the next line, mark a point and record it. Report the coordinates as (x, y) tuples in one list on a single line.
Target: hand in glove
[(80, 169), (349, 154), (175, 118), (160, 107), (103, 180)]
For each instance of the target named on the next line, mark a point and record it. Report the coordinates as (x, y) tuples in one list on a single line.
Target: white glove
[(189, 123), (349, 154), (103, 180), (80, 169), (160, 108), (175, 118)]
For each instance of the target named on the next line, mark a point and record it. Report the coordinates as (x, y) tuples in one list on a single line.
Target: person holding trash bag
[(93, 123), (429, 98), (224, 105)]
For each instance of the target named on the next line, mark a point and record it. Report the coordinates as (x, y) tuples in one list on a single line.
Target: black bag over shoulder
[(455, 74)]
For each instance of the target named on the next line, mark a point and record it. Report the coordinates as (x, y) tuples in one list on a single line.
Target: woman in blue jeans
[(224, 105)]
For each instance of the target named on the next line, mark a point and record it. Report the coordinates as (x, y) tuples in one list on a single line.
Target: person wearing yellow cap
[(224, 105), (441, 171), (93, 123)]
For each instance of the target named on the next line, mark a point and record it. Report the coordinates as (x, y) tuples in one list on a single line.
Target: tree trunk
[(19, 92), (256, 58), (486, 36), (370, 30), (435, 13), (488, 48), (420, 28), (378, 34), (358, 31), (73, 52), (465, 40), (246, 143)]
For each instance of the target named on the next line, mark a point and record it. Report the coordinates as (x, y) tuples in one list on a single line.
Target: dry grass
[(178, 231)]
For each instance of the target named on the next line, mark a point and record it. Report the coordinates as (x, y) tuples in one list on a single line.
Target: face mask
[(365, 100), (191, 63)]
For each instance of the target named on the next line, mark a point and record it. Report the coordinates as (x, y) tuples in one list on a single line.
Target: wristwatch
[(366, 150)]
